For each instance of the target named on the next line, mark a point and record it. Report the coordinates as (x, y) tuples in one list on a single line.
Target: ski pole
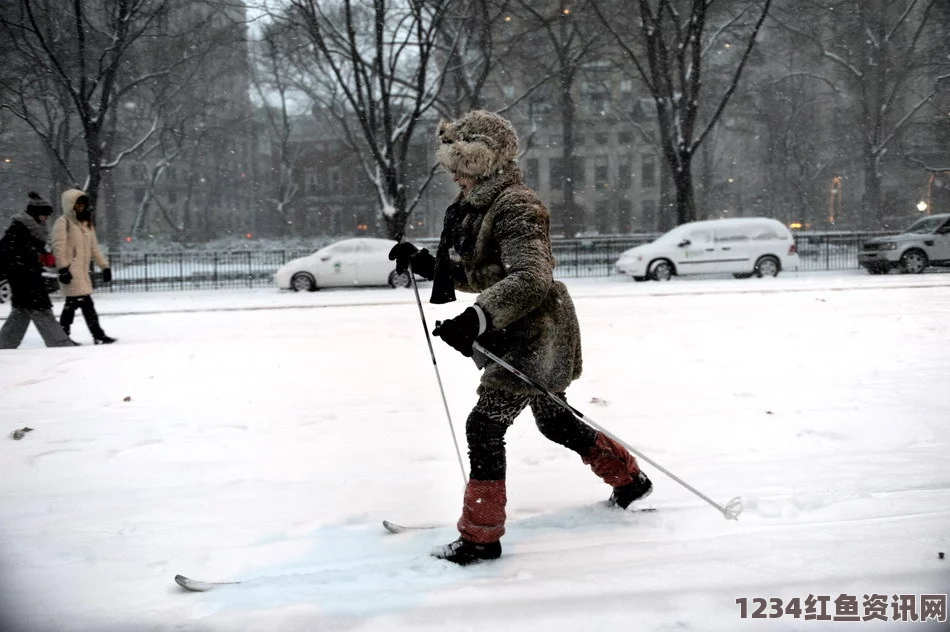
[(435, 365), (730, 511)]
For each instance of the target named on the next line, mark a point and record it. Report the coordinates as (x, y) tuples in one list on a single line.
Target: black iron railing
[(576, 258)]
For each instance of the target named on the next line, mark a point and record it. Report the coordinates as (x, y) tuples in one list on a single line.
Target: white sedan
[(347, 263)]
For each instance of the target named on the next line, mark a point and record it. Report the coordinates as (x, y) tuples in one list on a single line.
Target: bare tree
[(671, 62), (274, 88), (555, 42), (77, 57), (82, 71), (877, 49), (469, 49), (382, 82)]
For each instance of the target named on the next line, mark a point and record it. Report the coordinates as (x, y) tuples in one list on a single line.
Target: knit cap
[(37, 206)]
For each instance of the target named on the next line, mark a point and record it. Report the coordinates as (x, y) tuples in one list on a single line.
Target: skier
[(23, 255), (75, 245), (496, 242)]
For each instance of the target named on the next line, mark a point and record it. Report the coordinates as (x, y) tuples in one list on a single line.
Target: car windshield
[(672, 237), (926, 225)]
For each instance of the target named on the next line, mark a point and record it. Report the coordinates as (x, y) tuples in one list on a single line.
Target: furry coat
[(502, 250), (74, 246)]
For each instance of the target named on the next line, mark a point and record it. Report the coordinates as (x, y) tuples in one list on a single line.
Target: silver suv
[(925, 243)]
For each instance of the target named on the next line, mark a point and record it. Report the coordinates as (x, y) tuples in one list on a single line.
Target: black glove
[(107, 275), (406, 254), (65, 276), (460, 332)]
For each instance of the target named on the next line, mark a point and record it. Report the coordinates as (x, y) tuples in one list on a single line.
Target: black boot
[(638, 489), (463, 552), (104, 340)]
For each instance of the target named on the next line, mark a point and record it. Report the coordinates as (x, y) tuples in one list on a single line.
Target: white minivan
[(744, 247)]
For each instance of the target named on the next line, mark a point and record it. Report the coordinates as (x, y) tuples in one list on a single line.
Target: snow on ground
[(262, 436)]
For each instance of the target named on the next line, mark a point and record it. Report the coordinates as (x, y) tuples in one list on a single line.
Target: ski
[(195, 585), (392, 527)]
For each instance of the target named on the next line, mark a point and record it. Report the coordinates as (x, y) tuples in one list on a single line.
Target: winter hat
[(477, 144), (38, 206)]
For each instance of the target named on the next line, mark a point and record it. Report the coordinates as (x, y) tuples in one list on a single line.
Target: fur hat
[(37, 206), (477, 144)]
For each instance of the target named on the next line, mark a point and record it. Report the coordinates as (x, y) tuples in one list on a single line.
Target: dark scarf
[(443, 281), (482, 196)]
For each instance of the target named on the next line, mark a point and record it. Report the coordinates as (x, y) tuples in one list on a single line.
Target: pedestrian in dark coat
[(496, 243), (23, 254)]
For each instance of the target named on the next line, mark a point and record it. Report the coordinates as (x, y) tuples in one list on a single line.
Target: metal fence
[(576, 258)]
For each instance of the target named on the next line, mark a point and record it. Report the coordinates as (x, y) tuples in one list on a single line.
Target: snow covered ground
[(262, 436)]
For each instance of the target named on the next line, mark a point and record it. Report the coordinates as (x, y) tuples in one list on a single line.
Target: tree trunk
[(873, 215), (683, 183), (573, 221), (666, 215)]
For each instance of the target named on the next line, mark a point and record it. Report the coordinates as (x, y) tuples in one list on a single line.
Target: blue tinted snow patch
[(350, 572)]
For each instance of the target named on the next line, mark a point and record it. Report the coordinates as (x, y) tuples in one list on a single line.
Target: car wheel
[(742, 275), (662, 271), (767, 266), (6, 292), (913, 262), (303, 282), (877, 270), (399, 280)]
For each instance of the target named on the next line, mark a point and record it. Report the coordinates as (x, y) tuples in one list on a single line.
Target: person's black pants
[(495, 411), (85, 304)]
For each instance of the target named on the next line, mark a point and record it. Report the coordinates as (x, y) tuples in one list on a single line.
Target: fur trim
[(476, 145), (69, 199)]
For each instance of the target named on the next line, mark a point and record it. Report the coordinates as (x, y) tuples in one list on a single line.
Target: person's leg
[(483, 509), (92, 318), (51, 331), (561, 426), (14, 328), (608, 459), (69, 313)]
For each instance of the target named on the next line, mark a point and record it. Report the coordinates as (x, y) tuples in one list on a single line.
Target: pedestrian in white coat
[(75, 247)]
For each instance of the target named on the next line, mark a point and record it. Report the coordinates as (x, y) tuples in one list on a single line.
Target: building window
[(625, 172), (601, 139), (139, 194), (602, 217), (600, 172), (580, 173), (336, 180), (532, 173), (625, 216), (172, 196), (599, 103), (311, 184), (625, 138), (648, 171), (556, 173), (649, 215)]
